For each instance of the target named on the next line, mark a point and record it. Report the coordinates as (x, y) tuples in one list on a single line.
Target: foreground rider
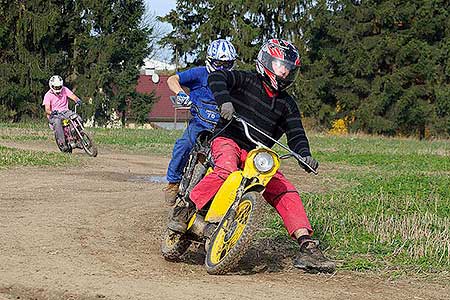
[(262, 100), (57, 107), (221, 55)]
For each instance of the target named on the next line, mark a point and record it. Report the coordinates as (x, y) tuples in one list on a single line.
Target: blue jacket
[(204, 107)]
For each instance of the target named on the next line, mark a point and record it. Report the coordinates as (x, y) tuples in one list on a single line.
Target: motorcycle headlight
[(263, 162)]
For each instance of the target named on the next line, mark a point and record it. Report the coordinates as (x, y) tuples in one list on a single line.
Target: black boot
[(311, 259), (180, 216), (63, 147)]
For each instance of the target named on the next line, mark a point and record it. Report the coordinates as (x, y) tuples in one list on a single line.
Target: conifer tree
[(379, 64), (96, 46)]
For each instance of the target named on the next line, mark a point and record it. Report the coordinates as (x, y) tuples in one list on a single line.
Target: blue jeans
[(181, 150)]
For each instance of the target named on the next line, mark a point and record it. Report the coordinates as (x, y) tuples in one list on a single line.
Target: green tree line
[(97, 47), (380, 66)]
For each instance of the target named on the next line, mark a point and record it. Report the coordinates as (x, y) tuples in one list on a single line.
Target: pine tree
[(31, 47), (246, 23), (377, 64), (96, 46), (107, 55), (382, 66)]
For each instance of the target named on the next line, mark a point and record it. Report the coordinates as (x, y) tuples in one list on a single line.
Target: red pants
[(280, 193)]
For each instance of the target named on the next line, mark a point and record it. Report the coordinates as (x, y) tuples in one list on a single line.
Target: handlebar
[(291, 153)]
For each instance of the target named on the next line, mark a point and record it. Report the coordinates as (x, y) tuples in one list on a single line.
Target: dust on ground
[(93, 232)]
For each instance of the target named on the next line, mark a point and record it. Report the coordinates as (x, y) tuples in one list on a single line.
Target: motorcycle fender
[(255, 187), (191, 221), (224, 197)]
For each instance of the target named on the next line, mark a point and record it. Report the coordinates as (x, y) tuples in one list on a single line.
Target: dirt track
[(93, 233)]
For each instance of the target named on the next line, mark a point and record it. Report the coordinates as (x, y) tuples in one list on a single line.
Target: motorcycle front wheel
[(87, 144), (234, 235)]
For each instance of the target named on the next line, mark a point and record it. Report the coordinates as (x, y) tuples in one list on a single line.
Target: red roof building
[(163, 110)]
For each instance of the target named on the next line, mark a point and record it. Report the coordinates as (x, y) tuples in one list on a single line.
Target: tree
[(246, 23), (31, 42), (381, 66), (378, 64), (96, 46), (109, 54)]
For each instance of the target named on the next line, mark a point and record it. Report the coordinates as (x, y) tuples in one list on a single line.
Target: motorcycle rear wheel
[(197, 174), (234, 235), (68, 150), (174, 245)]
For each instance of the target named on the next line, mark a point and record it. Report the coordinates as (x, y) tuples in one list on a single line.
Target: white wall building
[(153, 64)]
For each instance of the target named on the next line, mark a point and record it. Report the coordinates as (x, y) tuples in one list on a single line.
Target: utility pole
[(176, 58)]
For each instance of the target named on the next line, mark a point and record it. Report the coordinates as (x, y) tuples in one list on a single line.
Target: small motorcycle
[(227, 225), (75, 135), (198, 163)]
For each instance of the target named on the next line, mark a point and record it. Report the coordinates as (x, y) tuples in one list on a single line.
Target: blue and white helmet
[(220, 55)]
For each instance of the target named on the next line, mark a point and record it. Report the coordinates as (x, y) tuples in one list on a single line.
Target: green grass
[(393, 212), (389, 209), (158, 141), (10, 157)]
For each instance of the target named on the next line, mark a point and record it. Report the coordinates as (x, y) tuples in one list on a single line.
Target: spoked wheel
[(197, 174), (234, 235), (174, 245), (87, 144)]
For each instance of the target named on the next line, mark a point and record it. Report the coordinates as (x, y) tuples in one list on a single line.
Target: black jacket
[(275, 116)]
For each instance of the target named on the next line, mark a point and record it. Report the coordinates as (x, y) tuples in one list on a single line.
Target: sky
[(161, 8)]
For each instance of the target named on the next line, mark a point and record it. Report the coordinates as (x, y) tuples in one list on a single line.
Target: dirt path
[(93, 233)]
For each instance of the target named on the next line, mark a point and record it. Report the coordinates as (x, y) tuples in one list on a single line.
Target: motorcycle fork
[(232, 210), (75, 125)]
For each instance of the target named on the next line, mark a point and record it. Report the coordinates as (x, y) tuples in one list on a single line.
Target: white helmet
[(220, 55), (56, 83)]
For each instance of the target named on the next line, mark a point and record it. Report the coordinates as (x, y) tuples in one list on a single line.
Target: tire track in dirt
[(90, 232)]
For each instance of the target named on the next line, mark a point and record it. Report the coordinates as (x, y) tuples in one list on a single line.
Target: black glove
[(53, 113), (79, 102), (227, 110), (312, 163)]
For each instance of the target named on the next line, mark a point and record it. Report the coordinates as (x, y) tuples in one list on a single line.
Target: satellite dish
[(155, 78)]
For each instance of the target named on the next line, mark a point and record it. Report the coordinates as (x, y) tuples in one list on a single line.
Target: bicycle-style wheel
[(87, 144), (234, 235)]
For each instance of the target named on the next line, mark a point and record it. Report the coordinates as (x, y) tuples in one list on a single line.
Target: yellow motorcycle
[(228, 225)]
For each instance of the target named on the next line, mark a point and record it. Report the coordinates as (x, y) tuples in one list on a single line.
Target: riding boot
[(63, 146), (170, 193), (180, 216), (311, 259)]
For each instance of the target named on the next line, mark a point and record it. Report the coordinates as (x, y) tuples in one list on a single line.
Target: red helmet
[(276, 55)]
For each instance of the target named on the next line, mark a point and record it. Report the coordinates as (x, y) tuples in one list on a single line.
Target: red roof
[(162, 109)]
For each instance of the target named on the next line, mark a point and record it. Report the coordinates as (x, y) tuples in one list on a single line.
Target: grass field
[(158, 141), (393, 210), (10, 157), (389, 211)]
